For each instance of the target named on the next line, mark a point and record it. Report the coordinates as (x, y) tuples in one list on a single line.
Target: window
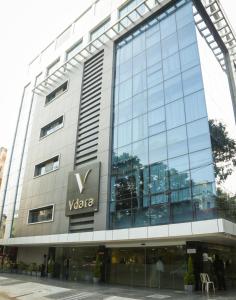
[(125, 70), (175, 114), (177, 142), (74, 50), (156, 121), (138, 41), (155, 97), (124, 134), (139, 104), (189, 57), (171, 66), (140, 128), (47, 166), (53, 66), (200, 158), (139, 83), (125, 111), (168, 26), (184, 15), (99, 30), (169, 45), (198, 135), (42, 214), (195, 106), (157, 148), (51, 127), (140, 151), (192, 80), (173, 89), (57, 92)]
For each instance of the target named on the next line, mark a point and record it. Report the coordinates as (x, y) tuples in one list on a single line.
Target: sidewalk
[(25, 287)]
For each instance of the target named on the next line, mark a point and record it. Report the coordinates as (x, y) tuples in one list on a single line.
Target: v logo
[(81, 182)]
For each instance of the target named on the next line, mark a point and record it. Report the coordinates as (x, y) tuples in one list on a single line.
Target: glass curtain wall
[(161, 154)]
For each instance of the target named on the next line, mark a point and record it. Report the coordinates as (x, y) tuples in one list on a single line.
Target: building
[(124, 150), (3, 155)]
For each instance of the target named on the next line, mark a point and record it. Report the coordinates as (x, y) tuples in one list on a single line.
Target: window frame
[(38, 208), (97, 27), (51, 65), (59, 160), (70, 49), (57, 96), (63, 121)]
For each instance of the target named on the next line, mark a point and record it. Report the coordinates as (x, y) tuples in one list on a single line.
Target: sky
[(26, 27)]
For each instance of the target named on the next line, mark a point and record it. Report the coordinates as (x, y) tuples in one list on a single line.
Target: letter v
[(80, 182)]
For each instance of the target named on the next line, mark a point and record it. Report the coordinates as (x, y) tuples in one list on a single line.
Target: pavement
[(26, 287)]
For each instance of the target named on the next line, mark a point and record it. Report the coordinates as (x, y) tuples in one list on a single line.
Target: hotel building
[(125, 146)]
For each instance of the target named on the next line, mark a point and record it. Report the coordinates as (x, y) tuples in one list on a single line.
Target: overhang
[(215, 230)]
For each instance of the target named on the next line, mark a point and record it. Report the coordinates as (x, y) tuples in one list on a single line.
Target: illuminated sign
[(83, 190)]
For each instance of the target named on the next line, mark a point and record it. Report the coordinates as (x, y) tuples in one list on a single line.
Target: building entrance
[(159, 267)]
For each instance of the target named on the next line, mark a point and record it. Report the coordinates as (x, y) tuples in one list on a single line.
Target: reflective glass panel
[(140, 152), (125, 70), (168, 26), (139, 82), (139, 63), (171, 66), (155, 97), (158, 178), (186, 35), (156, 121), (140, 129), (184, 15), (177, 142), (125, 111), (125, 90), (173, 89), (192, 80), (139, 104), (169, 45), (175, 114), (154, 54), (198, 135), (189, 57), (154, 75), (178, 164), (195, 106), (157, 148), (200, 158), (124, 133), (138, 42)]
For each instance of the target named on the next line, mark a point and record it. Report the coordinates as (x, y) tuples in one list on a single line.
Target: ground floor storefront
[(160, 267)]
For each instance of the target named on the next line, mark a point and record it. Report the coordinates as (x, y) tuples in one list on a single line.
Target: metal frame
[(45, 206), (114, 31), (227, 37), (222, 37)]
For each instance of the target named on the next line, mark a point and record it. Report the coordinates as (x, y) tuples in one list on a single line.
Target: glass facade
[(154, 267), (162, 164)]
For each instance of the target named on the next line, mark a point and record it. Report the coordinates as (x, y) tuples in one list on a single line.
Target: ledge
[(168, 233)]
